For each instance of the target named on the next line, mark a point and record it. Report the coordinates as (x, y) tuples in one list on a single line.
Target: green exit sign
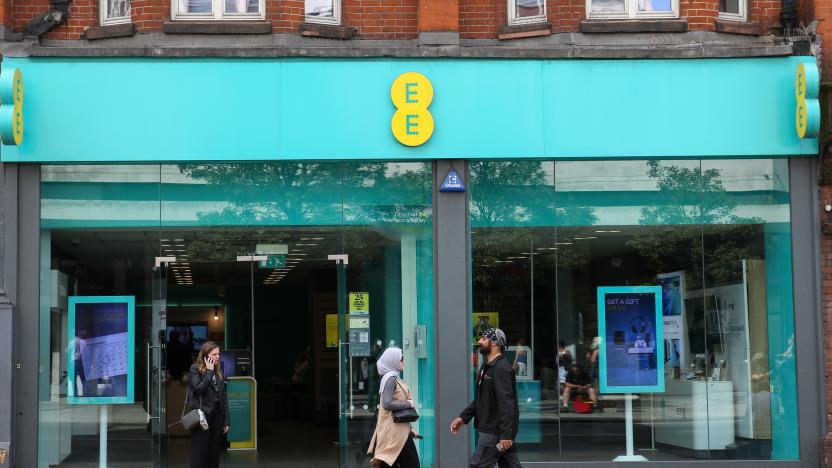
[(274, 261)]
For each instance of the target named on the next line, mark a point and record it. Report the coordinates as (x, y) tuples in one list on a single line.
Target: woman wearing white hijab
[(392, 444)]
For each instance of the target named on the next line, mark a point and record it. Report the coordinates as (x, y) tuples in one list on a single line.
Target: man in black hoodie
[(495, 408)]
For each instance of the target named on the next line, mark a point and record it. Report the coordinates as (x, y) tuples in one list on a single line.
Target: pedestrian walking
[(392, 443), (495, 410)]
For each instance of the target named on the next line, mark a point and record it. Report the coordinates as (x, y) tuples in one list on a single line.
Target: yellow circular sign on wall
[(11, 106), (412, 124), (806, 87)]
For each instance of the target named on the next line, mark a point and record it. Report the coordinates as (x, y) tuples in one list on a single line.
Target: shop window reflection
[(709, 233)]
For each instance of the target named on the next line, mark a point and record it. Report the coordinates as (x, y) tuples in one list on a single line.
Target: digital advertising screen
[(100, 354), (632, 350)]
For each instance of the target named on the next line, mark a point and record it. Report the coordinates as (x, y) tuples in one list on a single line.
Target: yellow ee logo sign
[(806, 85), (11, 106), (412, 123)]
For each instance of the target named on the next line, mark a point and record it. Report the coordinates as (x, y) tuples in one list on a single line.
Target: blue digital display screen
[(632, 351)]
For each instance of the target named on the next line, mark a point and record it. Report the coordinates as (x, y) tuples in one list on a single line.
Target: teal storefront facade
[(171, 180)]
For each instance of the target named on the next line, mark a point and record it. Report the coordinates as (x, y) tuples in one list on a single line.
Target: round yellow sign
[(412, 124)]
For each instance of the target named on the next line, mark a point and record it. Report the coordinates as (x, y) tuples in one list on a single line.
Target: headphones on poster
[(639, 325)]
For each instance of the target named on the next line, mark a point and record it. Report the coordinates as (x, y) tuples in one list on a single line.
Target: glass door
[(357, 377), (155, 368)]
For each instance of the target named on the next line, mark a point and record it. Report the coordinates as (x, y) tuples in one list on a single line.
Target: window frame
[(631, 12), (336, 15), (741, 17), (217, 14), (104, 20), (513, 20)]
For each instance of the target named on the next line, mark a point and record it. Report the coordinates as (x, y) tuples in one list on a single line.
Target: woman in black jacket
[(206, 386)]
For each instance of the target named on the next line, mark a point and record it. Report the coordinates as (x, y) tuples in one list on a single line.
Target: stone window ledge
[(525, 30), (331, 31), (738, 27), (217, 27), (106, 32), (634, 26)]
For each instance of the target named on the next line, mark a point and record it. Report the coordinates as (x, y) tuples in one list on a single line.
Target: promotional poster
[(632, 351), (101, 349), (673, 319)]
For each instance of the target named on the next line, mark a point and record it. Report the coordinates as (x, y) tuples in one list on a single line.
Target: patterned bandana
[(495, 335)]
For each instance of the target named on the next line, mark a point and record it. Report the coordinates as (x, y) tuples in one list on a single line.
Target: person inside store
[(206, 391), (565, 361), (521, 359), (578, 382), (392, 443), (178, 356), (592, 356)]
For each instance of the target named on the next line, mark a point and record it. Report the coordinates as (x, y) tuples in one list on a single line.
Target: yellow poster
[(359, 303), (331, 330), (484, 321)]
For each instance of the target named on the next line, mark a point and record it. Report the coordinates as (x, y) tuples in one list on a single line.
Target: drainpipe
[(788, 16), (48, 20)]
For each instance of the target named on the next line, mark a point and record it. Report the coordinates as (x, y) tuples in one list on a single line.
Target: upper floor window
[(218, 9), (633, 9), (732, 10), (526, 11), (323, 11), (115, 12)]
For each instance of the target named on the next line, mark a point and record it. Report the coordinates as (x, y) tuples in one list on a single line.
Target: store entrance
[(278, 303)]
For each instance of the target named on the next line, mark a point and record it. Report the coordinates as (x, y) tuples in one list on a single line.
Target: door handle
[(341, 409), (148, 378)]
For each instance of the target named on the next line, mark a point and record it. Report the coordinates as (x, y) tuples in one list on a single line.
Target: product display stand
[(628, 409), (102, 436)]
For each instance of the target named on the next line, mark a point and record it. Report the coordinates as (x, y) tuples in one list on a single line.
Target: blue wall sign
[(452, 183), (632, 345)]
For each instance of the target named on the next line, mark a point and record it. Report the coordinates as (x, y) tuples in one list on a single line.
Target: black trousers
[(408, 457), (487, 454), (206, 446)]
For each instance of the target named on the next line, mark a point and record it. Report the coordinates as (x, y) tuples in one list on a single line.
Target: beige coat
[(390, 436)]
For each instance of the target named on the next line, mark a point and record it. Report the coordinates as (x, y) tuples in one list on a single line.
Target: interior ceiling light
[(179, 240), (311, 238), (584, 238), (296, 254), (311, 245), (563, 243), (216, 313)]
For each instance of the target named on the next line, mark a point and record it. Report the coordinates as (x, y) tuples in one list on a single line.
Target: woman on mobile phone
[(206, 388), (392, 443)]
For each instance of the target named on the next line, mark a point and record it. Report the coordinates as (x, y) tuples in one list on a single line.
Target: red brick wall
[(374, 19), (403, 19), (382, 19), (826, 311), (286, 15), (481, 19), (699, 13)]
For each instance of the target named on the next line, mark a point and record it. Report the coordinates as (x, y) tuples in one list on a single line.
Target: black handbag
[(407, 415)]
